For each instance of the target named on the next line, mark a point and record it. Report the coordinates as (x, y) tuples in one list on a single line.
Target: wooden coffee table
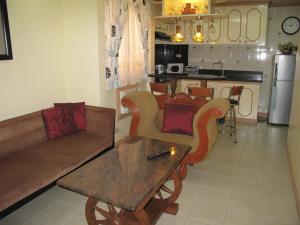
[(135, 189)]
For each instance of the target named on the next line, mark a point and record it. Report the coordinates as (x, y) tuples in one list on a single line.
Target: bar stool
[(234, 100), (200, 95), (160, 91)]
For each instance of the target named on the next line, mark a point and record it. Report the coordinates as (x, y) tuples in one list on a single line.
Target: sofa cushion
[(58, 122), (78, 111), (178, 118), (35, 167)]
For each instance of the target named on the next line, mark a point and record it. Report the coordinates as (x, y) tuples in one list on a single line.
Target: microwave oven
[(175, 68)]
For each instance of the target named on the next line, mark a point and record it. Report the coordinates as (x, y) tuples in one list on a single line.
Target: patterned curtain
[(116, 15), (143, 10)]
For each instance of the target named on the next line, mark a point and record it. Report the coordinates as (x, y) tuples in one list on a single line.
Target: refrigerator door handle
[(274, 98), (275, 74)]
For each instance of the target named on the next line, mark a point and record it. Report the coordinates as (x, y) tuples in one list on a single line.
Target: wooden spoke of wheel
[(174, 194), (111, 216)]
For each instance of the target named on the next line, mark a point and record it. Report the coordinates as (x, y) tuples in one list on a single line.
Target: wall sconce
[(178, 37), (198, 36)]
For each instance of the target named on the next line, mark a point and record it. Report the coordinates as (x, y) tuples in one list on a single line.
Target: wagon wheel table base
[(131, 205)]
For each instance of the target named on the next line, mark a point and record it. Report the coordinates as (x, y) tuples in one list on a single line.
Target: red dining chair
[(201, 95), (160, 91)]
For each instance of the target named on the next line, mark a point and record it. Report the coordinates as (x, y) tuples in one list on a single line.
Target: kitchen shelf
[(230, 3), (191, 17)]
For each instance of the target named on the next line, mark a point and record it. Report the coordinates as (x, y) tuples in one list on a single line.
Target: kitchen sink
[(234, 75)]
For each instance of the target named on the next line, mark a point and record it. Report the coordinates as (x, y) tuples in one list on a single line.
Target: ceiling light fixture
[(198, 36), (178, 37)]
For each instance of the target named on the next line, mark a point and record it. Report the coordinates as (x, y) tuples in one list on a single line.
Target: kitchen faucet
[(221, 64)]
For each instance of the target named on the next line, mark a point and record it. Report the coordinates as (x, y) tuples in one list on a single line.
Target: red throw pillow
[(78, 111), (58, 122), (178, 118)]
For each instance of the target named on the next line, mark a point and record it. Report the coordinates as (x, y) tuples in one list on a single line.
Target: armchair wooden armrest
[(135, 115), (206, 129)]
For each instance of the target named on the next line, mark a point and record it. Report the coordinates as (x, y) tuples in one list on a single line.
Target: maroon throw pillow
[(178, 118), (58, 122), (78, 111)]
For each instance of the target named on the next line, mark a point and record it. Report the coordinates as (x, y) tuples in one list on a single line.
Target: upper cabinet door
[(256, 24), (215, 29), (253, 25), (234, 26)]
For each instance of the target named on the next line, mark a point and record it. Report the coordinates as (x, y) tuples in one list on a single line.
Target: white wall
[(58, 48), (35, 78), (81, 50), (294, 132), (275, 35)]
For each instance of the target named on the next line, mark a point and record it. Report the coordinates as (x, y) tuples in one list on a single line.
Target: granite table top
[(124, 177)]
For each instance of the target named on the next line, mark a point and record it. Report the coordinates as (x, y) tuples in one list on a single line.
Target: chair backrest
[(201, 92), (159, 88), (236, 92), (180, 98), (160, 92)]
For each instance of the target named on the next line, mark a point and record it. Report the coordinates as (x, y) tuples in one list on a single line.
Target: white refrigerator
[(282, 89)]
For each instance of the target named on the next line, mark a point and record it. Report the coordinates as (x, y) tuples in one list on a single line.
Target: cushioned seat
[(33, 168), (147, 122), (29, 161)]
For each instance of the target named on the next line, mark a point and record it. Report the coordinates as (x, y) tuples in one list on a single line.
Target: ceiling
[(272, 2)]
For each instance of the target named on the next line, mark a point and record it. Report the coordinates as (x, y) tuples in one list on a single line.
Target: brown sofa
[(29, 162), (147, 119)]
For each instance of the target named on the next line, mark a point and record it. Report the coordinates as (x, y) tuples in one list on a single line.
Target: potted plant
[(287, 48)]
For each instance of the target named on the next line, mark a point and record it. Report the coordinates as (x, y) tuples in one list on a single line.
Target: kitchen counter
[(205, 74)]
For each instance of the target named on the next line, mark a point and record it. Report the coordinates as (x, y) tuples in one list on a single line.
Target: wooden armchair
[(144, 111)]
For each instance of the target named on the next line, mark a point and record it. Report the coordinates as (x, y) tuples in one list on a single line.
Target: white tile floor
[(238, 184)]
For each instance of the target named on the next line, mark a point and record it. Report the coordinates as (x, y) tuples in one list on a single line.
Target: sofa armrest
[(101, 121), (205, 128)]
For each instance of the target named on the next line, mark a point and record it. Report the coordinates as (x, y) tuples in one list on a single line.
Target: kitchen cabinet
[(249, 102), (233, 25), (214, 29), (185, 84), (246, 24), (255, 24)]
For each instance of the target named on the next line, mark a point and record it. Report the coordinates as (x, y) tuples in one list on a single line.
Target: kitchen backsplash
[(237, 57)]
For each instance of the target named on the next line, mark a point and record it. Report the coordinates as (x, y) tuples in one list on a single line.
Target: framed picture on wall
[(5, 42)]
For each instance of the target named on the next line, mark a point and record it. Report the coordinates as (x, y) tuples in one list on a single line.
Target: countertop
[(205, 74)]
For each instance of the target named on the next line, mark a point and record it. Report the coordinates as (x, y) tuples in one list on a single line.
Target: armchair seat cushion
[(169, 137)]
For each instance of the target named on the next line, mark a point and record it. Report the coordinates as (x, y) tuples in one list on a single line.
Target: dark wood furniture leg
[(204, 83), (173, 86), (164, 202)]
